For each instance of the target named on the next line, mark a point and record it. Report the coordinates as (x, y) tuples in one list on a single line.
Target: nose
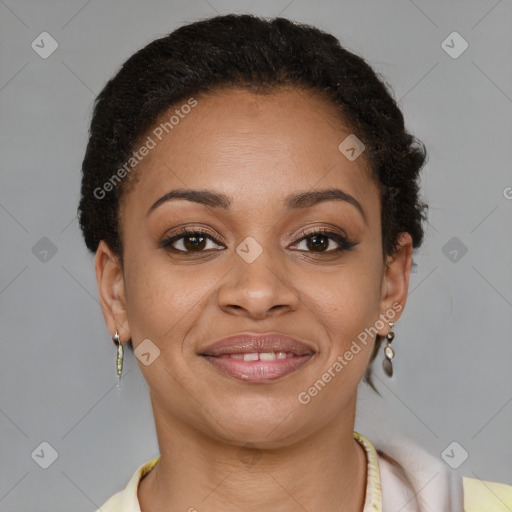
[(257, 290)]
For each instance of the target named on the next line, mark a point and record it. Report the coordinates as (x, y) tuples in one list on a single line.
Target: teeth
[(262, 356)]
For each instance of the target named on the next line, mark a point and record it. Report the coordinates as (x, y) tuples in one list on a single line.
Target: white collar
[(386, 489)]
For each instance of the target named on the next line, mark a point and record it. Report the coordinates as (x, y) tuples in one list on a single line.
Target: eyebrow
[(293, 201)]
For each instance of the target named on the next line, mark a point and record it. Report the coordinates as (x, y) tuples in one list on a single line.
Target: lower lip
[(258, 371)]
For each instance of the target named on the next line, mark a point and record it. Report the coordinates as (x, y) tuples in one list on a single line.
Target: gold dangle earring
[(119, 359), (389, 353)]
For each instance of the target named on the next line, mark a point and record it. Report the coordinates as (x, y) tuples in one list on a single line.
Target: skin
[(256, 149)]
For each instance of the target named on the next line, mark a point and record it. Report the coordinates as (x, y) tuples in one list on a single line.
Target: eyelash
[(344, 244)]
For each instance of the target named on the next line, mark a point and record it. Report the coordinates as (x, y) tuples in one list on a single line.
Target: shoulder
[(126, 500), (484, 495), (409, 473), (414, 479)]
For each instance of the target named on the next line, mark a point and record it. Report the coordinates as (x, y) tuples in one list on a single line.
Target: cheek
[(161, 301), (346, 303), (347, 297)]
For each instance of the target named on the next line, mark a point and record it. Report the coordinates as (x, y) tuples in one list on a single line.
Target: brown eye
[(194, 242), (318, 243), (321, 241), (189, 241)]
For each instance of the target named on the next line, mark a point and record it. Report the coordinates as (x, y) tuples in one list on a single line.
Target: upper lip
[(249, 343)]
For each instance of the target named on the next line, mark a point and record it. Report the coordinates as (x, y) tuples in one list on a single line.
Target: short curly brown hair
[(257, 54)]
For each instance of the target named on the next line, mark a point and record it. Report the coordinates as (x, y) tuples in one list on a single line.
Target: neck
[(325, 471)]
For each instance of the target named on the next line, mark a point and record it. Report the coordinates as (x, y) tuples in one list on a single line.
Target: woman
[(251, 196)]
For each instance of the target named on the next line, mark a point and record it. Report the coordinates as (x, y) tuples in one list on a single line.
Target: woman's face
[(259, 267)]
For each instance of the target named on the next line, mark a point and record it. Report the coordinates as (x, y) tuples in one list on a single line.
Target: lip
[(245, 343), (250, 346)]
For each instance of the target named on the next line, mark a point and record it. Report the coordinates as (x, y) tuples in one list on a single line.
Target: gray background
[(453, 352)]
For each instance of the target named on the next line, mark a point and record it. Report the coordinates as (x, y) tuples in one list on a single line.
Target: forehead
[(250, 145)]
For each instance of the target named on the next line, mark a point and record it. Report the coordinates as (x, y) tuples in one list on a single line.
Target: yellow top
[(478, 495), (483, 496)]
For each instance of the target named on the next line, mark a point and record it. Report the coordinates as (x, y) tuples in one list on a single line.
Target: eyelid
[(179, 231), (324, 230)]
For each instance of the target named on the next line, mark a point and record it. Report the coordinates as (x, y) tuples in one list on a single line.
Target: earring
[(119, 359), (389, 353)]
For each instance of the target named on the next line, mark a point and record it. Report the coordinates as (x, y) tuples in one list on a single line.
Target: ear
[(110, 279), (395, 282)]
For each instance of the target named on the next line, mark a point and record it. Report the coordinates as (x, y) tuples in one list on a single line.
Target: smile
[(258, 357)]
